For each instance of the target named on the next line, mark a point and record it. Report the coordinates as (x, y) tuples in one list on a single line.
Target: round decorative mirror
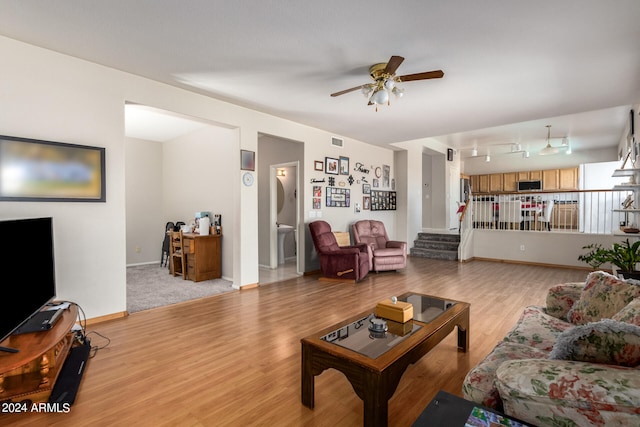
[(280, 195)]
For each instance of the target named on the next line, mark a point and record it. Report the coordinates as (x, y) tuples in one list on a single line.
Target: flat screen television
[(27, 249)]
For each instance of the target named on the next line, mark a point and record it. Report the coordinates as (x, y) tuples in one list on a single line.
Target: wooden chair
[(177, 254), (545, 218)]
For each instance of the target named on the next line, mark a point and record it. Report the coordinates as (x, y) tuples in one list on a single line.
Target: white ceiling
[(510, 67)]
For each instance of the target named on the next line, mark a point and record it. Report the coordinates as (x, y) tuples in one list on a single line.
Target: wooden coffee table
[(374, 362)]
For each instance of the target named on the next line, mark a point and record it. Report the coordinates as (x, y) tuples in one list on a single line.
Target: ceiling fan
[(385, 79)]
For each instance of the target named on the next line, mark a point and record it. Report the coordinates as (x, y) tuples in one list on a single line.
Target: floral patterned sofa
[(574, 363)]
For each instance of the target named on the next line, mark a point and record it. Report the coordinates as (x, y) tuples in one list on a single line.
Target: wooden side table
[(31, 373)]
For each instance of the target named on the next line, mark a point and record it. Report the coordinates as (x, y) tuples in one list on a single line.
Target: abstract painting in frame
[(37, 170), (247, 160)]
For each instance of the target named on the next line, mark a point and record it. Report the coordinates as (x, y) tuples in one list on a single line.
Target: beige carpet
[(150, 286)]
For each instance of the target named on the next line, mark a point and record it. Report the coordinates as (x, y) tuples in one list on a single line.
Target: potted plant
[(623, 255)]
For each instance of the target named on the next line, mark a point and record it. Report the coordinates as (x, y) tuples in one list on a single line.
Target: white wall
[(50, 96), (145, 222), (551, 248), (195, 170), (341, 218)]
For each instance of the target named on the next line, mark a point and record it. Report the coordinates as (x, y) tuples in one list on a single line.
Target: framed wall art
[(344, 165), (247, 160), (338, 197), (331, 166), (36, 170), (317, 197), (386, 174), (318, 165), (383, 200)]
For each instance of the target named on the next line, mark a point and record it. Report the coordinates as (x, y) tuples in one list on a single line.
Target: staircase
[(436, 246)]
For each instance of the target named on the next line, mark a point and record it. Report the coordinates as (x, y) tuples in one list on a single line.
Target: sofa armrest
[(560, 392), (396, 244), (560, 298)]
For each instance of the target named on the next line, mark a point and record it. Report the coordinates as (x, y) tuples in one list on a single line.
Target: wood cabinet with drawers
[(203, 256)]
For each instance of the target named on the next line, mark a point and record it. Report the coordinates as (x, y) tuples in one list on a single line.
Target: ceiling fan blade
[(437, 74), (342, 92), (393, 64)]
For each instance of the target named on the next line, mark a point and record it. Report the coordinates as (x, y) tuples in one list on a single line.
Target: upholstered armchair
[(344, 263), (384, 254)]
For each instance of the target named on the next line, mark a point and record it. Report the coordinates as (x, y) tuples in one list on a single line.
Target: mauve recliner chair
[(344, 263)]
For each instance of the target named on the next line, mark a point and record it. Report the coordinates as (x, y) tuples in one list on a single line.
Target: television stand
[(31, 373)]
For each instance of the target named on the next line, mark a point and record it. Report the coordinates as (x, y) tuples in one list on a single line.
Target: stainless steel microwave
[(532, 185)]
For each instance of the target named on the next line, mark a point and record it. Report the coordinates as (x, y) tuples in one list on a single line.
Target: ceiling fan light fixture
[(380, 96), (389, 84), (398, 92), (548, 150), (366, 90)]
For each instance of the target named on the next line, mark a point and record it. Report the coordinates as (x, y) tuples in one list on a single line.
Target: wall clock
[(247, 179)]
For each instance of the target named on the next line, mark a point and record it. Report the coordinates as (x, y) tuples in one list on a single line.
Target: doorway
[(279, 202)]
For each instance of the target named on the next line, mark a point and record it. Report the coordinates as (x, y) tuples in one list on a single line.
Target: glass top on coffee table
[(360, 336), (426, 308), (363, 337)]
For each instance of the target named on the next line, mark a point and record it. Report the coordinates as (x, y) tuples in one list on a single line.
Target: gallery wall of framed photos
[(351, 183)]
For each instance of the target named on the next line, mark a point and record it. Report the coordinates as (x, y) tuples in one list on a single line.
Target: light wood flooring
[(234, 359)]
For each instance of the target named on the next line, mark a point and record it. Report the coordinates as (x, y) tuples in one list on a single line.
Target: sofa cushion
[(537, 329), (479, 387), (606, 341), (630, 313), (561, 298), (603, 296), (566, 393)]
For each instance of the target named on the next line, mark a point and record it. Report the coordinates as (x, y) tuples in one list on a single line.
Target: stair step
[(436, 246), (434, 254), (439, 237)]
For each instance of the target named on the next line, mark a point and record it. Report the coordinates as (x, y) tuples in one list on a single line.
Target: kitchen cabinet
[(479, 184), (495, 183), (510, 181), (552, 180), (568, 179), (535, 175)]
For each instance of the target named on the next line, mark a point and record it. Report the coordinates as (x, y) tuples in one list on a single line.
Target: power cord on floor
[(82, 336)]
